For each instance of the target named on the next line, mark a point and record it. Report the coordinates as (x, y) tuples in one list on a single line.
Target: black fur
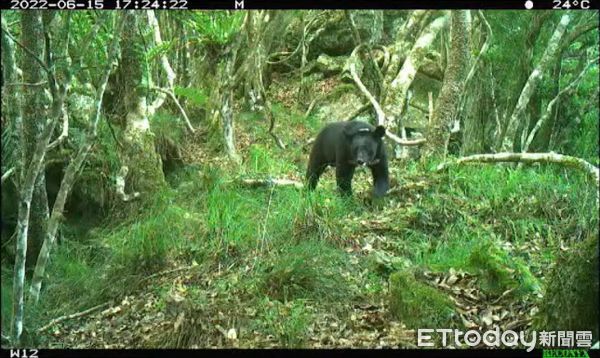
[(345, 145)]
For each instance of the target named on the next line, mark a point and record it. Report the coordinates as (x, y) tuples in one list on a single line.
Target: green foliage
[(6, 299), (146, 245), (159, 50), (216, 27), (499, 271), (168, 126), (571, 299), (288, 322), (418, 305), (196, 96), (292, 257), (309, 269), (81, 282)]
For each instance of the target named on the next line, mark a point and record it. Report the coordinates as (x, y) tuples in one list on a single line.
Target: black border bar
[(313, 353), (301, 4)]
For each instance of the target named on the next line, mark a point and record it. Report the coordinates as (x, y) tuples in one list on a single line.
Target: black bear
[(346, 145)]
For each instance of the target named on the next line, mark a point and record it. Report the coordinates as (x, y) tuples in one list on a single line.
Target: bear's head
[(364, 141)]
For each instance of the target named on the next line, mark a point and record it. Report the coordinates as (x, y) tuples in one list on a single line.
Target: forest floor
[(209, 262)]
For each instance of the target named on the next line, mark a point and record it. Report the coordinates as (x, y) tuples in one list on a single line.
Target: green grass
[(290, 255)]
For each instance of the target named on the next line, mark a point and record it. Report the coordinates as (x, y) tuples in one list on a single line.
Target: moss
[(499, 272), (571, 299), (417, 304)]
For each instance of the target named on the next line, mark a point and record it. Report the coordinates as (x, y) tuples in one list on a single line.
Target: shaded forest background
[(152, 166)]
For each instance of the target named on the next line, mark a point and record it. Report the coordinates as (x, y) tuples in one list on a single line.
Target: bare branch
[(589, 169), (169, 92), (546, 115), (484, 48), (65, 131), (8, 173), (71, 316), (270, 182), (376, 106), (33, 55)]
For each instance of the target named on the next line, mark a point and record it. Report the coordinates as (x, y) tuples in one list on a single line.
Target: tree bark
[(70, 174), (534, 79), (166, 66), (12, 107), (404, 40), (549, 109), (32, 34), (138, 152), (35, 100), (450, 94), (476, 100), (393, 103)]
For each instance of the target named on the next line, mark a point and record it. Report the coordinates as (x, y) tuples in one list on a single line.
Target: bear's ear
[(379, 131), (349, 132), (352, 130)]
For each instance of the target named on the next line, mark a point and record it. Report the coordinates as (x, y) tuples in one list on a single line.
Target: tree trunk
[(476, 115), (12, 106), (138, 152), (541, 141), (33, 125), (448, 100), (393, 103), (70, 174), (549, 109), (404, 40), (32, 34), (476, 99), (534, 79)]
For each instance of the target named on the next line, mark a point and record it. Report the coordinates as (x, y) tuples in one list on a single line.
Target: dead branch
[(71, 316), (300, 43), (271, 182), (169, 92), (386, 58), (166, 272), (375, 104), (278, 140), (65, 131), (25, 84), (166, 66), (8, 173), (589, 169), (484, 48), (312, 104), (550, 106), (360, 45)]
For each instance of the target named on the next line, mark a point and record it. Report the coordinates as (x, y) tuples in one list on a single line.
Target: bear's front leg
[(343, 176), (313, 173), (381, 181)]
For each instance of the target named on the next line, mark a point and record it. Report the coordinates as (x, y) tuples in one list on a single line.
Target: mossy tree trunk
[(33, 36), (74, 167), (132, 112), (395, 94), (531, 85), (450, 94), (34, 119)]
